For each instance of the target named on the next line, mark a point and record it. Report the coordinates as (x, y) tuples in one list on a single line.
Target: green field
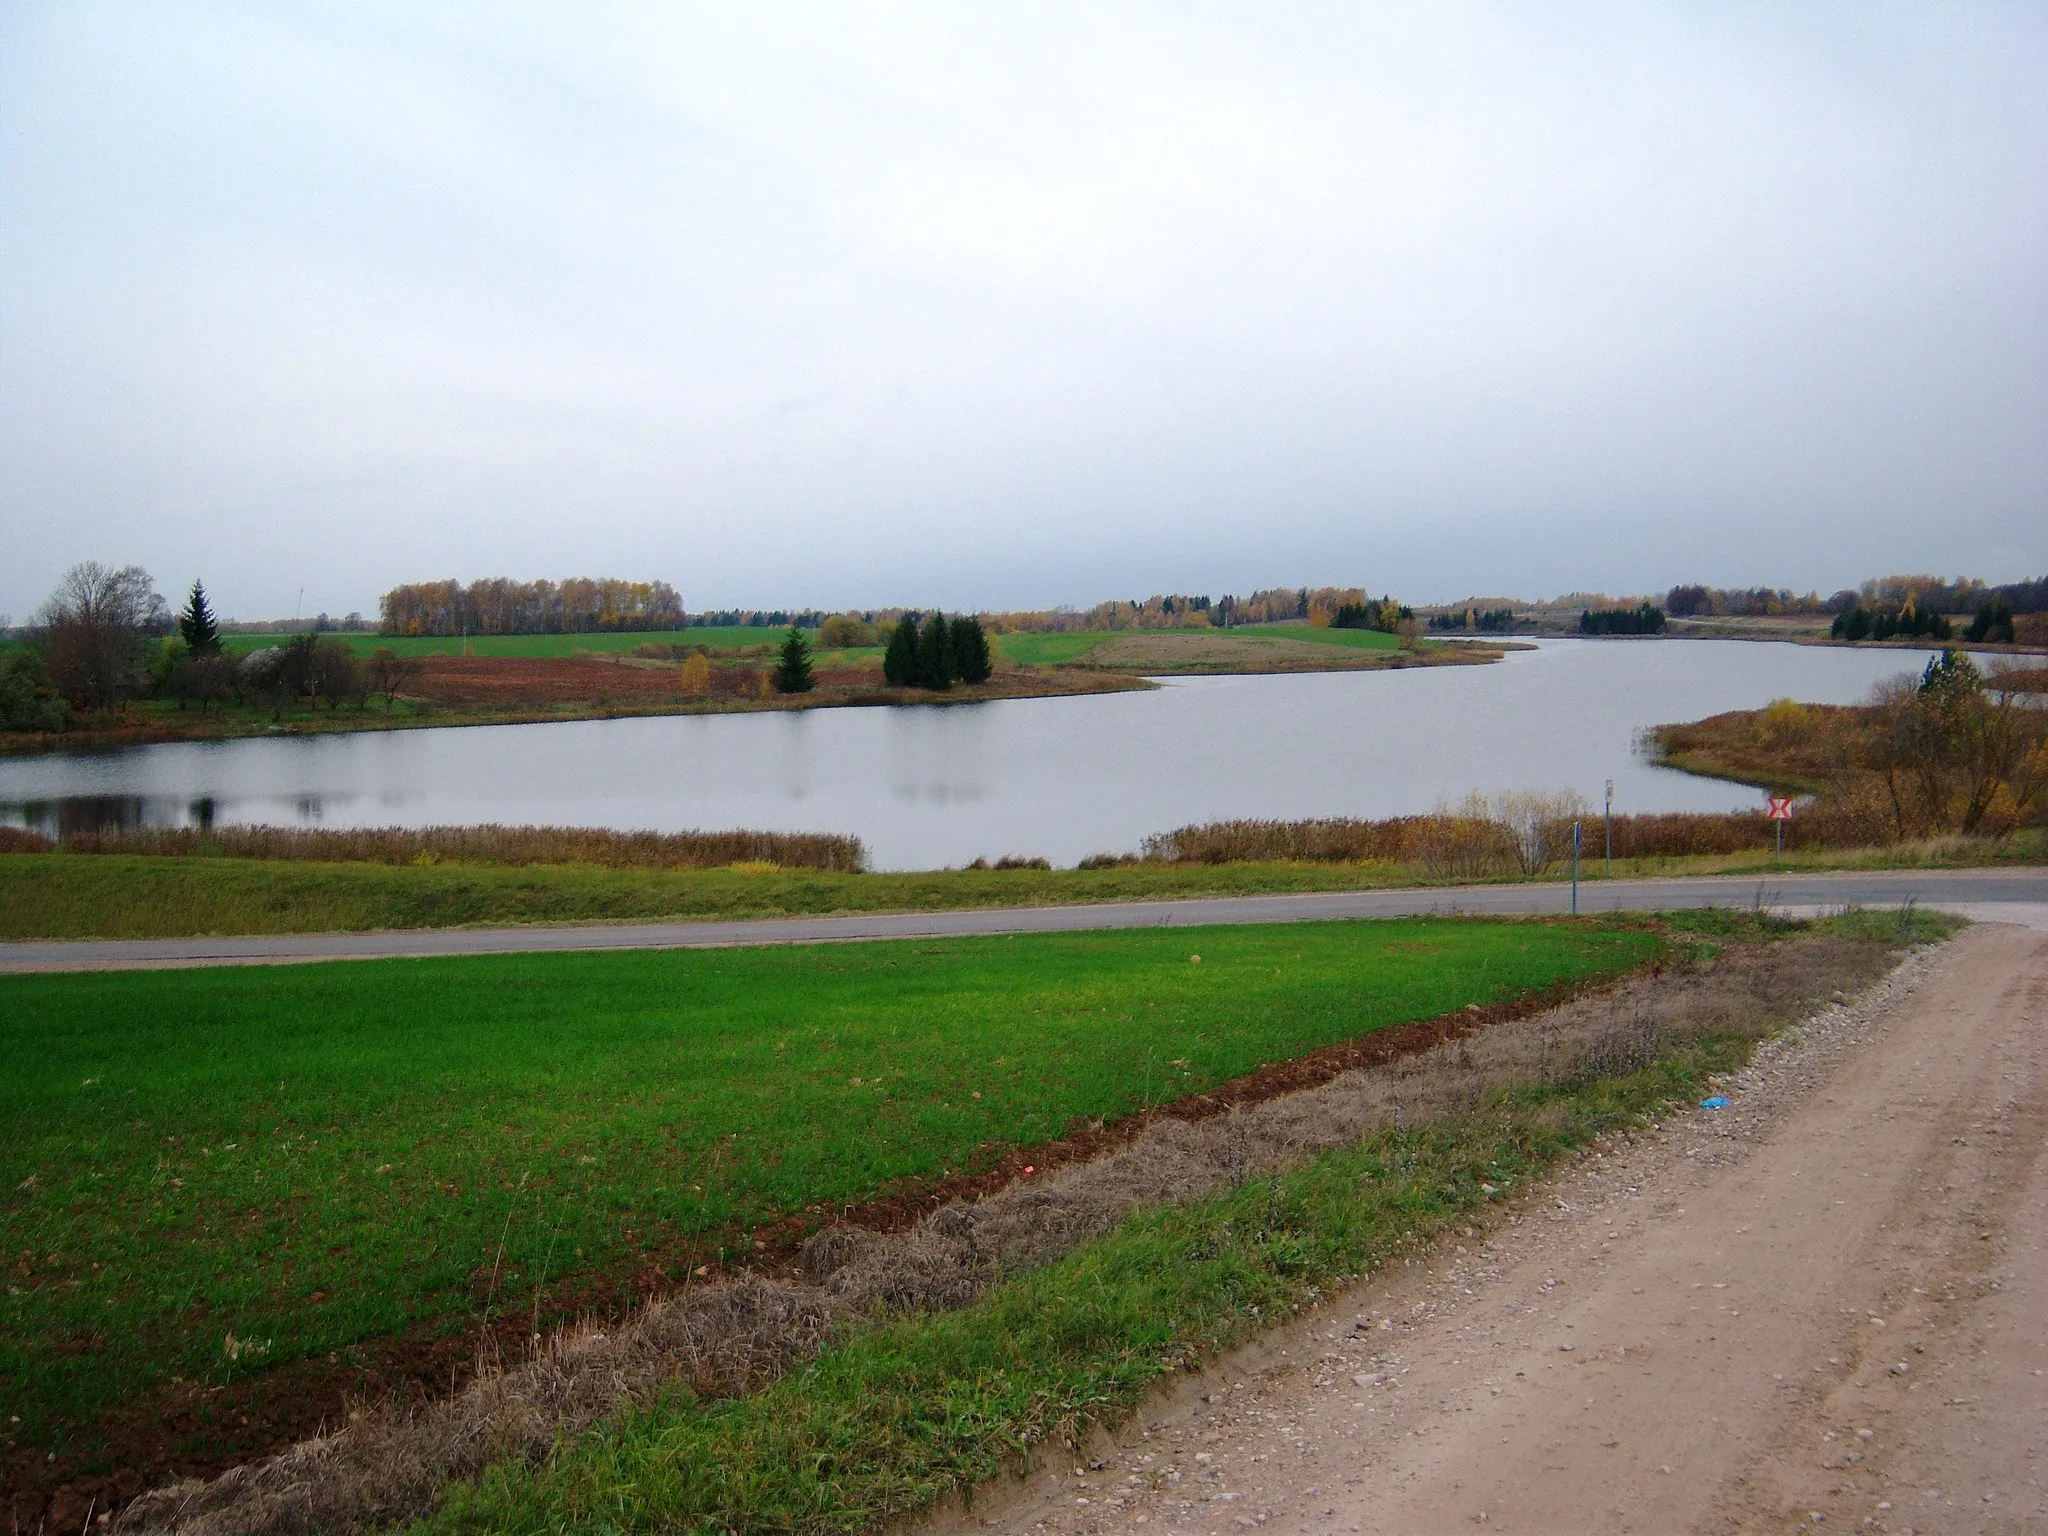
[(1353, 639), (300, 1158), (1027, 650)]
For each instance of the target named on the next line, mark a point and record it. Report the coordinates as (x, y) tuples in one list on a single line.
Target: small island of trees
[(937, 652)]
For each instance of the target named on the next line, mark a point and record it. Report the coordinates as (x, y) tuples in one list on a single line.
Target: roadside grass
[(76, 896), (208, 1173), (888, 1422), (905, 1411), (60, 895)]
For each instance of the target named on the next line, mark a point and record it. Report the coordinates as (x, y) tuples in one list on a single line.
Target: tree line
[(1490, 621), (1646, 618), (497, 605)]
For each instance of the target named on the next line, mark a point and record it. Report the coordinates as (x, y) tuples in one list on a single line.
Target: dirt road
[(1822, 1307)]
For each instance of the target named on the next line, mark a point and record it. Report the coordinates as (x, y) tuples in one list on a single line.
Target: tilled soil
[(1818, 1308)]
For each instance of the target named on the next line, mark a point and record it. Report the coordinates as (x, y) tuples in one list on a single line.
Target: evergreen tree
[(196, 624), (935, 653), (971, 660), (793, 668), (899, 662)]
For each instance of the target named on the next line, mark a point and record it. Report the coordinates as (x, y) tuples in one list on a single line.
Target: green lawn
[(309, 1156)]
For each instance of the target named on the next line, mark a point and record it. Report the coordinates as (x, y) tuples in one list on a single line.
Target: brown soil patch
[(200, 1432), (540, 680)]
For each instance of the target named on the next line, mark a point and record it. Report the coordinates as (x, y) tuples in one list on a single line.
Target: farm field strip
[(211, 1174), (604, 643)]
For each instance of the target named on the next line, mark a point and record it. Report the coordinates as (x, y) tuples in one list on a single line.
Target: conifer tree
[(197, 625), (935, 653), (971, 660), (899, 661), (793, 668)]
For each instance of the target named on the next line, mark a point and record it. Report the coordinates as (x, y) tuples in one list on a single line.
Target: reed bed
[(488, 844), (1460, 846)]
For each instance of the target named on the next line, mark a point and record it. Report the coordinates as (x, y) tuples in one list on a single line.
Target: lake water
[(926, 787)]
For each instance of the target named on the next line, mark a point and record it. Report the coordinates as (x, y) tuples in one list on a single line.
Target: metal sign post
[(1780, 813), (1575, 869), (1610, 829)]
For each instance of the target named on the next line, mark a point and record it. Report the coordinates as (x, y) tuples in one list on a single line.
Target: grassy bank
[(889, 1420), (211, 1174), (76, 896)]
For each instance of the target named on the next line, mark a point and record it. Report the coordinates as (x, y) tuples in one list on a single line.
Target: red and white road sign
[(1781, 808)]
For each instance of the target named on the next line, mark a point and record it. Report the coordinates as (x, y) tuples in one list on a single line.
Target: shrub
[(29, 700), (695, 677), (844, 630)]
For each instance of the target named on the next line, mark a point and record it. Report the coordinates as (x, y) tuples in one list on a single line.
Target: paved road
[(2017, 895)]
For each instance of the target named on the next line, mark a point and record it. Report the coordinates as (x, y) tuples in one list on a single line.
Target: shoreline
[(1067, 680)]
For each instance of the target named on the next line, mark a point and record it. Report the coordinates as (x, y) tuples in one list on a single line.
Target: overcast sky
[(1013, 306)]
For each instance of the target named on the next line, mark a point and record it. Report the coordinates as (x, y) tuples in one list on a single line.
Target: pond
[(926, 787)]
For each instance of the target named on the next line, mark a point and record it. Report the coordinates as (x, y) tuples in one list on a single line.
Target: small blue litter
[(1718, 1101)]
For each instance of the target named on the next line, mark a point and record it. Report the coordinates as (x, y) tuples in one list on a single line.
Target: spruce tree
[(899, 662), (793, 669), (971, 660), (196, 623), (935, 653)]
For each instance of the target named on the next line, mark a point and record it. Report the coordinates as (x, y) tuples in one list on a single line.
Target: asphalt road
[(2015, 895)]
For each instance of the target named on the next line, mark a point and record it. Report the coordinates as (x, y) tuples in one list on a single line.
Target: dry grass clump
[(21, 840), (489, 844), (729, 1337)]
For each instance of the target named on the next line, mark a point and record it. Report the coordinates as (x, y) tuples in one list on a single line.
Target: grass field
[(1029, 650), (887, 1423), (1066, 649), (210, 1172), (1355, 639)]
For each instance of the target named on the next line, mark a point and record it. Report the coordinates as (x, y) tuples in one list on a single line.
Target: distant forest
[(499, 606), (495, 605), (1928, 594)]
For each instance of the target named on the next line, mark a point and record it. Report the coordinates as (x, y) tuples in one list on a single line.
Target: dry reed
[(470, 845), (1464, 846)]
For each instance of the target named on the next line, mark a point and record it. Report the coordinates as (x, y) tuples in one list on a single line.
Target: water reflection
[(1062, 778)]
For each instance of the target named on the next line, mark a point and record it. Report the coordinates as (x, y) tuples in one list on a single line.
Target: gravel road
[(1819, 1308)]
